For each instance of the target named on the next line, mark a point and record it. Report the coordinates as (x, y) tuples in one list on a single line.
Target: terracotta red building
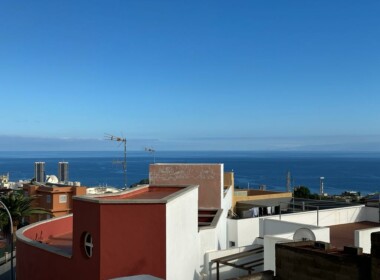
[(57, 200), (162, 229)]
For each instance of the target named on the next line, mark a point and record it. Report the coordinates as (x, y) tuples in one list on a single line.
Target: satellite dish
[(51, 179), (303, 234)]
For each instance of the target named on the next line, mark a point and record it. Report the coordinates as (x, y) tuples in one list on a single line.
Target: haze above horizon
[(219, 75)]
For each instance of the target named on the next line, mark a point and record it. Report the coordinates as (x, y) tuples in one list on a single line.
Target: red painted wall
[(32, 262), (43, 231), (133, 240), (86, 219), (37, 264), (128, 239)]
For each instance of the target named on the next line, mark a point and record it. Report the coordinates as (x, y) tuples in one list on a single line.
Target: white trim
[(88, 245)]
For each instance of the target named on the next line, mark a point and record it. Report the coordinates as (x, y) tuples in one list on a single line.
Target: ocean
[(342, 171)]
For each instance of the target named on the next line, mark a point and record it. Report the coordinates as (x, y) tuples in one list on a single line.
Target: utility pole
[(321, 186), (124, 162)]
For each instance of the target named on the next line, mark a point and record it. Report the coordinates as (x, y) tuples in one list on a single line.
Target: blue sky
[(194, 75)]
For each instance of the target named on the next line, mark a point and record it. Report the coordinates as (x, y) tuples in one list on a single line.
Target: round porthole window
[(88, 244)]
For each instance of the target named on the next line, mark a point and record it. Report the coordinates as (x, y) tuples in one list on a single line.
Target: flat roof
[(344, 235), (141, 194), (146, 193)]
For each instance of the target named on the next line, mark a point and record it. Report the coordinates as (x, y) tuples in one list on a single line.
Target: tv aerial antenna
[(288, 181), (152, 151), (123, 141)]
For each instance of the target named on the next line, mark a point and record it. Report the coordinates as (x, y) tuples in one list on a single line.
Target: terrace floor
[(62, 241), (146, 193), (344, 235)]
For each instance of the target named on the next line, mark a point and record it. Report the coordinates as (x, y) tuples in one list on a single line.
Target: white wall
[(182, 242), (213, 239), (208, 242), (285, 232), (310, 219), (243, 232), (232, 232), (227, 272), (222, 224), (363, 238), (322, 234), (227, 199), (221, 184), (372, 214), (342, 215), (269, 251), (275, 227), (221, 231), (327, 217)]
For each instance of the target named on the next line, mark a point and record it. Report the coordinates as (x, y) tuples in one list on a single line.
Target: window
[(62, 198), (88, 244), (48, 198)]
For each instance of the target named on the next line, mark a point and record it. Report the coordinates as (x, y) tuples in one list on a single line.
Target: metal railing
[(301, 206)]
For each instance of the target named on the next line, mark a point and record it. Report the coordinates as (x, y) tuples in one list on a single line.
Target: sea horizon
[(266, 153), (343, 171)]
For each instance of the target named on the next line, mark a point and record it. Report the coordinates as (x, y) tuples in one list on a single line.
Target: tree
[(302, 192), (19, 206), (142, 182)]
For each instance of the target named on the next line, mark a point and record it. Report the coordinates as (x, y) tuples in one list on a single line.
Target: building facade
[(56, 200), (39, 171), (63, 171)]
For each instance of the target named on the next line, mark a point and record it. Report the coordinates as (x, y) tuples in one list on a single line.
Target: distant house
[(57, 200)]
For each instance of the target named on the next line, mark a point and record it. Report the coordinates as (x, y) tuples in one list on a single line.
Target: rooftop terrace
[(145, 193), (141, 194), (56, 235), (53, 235), (344, 234), (63, 242)]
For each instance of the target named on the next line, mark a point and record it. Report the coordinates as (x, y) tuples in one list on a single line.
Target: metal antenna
[(288, 182), (124, 162), (152, 151)]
